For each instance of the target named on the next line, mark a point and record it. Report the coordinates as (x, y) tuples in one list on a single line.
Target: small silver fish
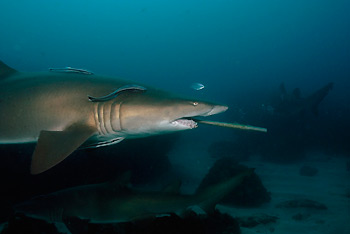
[(197, 86)]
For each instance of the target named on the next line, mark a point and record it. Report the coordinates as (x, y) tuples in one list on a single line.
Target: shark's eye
[(195, 103)]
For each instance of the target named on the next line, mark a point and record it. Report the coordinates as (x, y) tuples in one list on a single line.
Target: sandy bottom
[(331, 186)]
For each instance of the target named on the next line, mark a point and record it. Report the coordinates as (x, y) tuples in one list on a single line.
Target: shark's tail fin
[(5, 70), (212, 195)]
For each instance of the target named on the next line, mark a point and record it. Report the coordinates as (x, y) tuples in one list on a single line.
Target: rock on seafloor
[(256, 219), (302, 203), (251, 193)]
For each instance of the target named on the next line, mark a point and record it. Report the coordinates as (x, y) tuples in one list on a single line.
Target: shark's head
[(149, 114)]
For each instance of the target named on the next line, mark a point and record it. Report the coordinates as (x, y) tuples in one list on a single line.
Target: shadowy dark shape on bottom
[(214, 223), (250, 193), (256, 219), (21, 224), (173, 224), (146, 158)]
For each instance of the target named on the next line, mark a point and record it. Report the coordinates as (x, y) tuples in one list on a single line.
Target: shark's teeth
[(185, 122)]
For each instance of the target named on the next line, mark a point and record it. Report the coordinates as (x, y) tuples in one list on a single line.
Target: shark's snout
[(216, 110)]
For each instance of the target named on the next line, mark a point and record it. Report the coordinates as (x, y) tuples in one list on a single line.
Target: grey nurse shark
[(66, 109), (114, 202)]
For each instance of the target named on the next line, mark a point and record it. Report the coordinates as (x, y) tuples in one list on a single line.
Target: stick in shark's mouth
[(232, 125)]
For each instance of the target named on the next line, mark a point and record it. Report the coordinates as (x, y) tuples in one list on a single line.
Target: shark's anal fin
[(54, 146), (5, 70), (114, 94)]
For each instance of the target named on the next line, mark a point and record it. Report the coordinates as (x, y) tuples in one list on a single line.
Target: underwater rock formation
[(295, 104), (294, 126), (251, 193)]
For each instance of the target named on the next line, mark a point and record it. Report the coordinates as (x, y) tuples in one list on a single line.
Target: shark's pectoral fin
[(54, 146)]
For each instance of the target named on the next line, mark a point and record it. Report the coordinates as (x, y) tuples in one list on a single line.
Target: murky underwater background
[(242, 51)]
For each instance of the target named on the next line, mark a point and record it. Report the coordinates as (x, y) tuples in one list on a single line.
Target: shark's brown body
[(66, 110)]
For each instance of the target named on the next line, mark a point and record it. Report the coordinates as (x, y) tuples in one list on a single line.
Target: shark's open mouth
[(185, 122)]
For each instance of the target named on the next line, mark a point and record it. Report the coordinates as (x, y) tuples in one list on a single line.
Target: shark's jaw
[(185, 123), (190, 122)]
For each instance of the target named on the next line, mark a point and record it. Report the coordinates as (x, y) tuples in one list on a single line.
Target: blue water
[(241, 50), (231, 46)]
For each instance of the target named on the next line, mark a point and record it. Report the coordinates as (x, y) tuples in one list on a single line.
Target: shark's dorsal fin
[(114, 94), (5, 70), (54, 146), (173, 188)]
